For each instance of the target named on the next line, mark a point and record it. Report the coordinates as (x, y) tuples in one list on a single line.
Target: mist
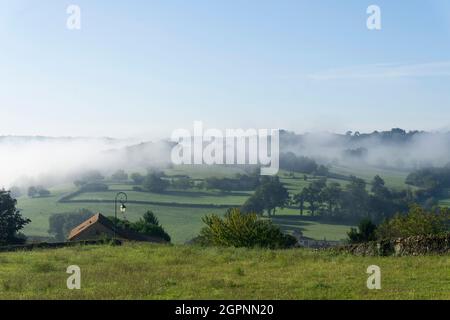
[(394, 149), (26, 161)]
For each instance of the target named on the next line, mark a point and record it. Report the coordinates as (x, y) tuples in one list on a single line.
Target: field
[(180, 212), (145, 271)]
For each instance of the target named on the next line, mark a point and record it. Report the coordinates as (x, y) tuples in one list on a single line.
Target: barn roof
[(121, 233)]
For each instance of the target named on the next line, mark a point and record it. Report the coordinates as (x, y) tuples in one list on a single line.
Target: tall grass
[(145, 271)]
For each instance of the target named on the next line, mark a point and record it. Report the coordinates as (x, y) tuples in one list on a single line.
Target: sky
[(146, 68)]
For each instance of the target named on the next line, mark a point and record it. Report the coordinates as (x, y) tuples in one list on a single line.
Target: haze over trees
[(119, 175), (38, 191), (154, 182)]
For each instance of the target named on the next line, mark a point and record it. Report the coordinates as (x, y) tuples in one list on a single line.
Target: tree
[(417, 221), (92, 176), (11, 221), (312, 194), (60, 224), (291, 162), (32, 192), (38, 191), (15, 192), (154, 183), (137, 178), (312, 197), (299, 199), (119, 175), (366, 232), (379, 189), (322, 171), (355, 200), (182, 183), (43, 192), (149, 217), (253, 205), (94, 187), (272, 194), (242, 230), (148, 225), (331, 194)]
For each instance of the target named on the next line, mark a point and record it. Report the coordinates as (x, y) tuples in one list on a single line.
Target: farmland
[(180, 211)]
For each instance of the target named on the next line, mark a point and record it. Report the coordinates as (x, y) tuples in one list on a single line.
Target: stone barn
[(99, 227)]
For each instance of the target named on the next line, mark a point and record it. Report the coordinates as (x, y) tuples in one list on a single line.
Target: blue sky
[(145, 68)]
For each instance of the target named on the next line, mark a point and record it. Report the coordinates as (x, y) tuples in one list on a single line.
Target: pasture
[(146, 271), (180, 211)]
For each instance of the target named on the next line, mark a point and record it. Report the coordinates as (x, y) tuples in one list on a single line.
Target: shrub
[(148, 225), (154, 183), (95, 187), (242, 230), (418, 221), (366, 232), (137, 178), (38, 191)]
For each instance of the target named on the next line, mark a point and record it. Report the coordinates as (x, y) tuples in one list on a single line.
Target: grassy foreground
[(146, 271)]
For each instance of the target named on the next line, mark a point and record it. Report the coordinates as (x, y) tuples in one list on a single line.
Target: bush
[(38, 191), (94, 187), (242, 230), (291, 162), (148, 225), (154, 183), (366, 232), (137, 178), (417, 222), (182, 183)]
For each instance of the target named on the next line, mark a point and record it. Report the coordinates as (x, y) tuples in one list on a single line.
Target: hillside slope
[(144, 271)]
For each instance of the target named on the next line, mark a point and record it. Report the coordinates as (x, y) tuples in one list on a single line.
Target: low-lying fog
[(26, 161)]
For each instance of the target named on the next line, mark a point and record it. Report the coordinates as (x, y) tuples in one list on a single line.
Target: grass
[(146, 271), (183, 223), (311, 229), (182, 197), (393, 178)]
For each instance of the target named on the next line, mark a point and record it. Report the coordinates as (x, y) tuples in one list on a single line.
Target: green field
[(182, 197), (180, 212), (393, 178), (175, 209), (145, 271)]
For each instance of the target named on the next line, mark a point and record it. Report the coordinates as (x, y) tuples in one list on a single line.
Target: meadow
[(180, 212), (146, 271)]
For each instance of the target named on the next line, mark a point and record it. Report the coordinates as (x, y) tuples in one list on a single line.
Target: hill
[(145, 271)]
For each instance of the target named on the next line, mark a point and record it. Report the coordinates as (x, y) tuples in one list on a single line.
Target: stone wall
[(412, 246)]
